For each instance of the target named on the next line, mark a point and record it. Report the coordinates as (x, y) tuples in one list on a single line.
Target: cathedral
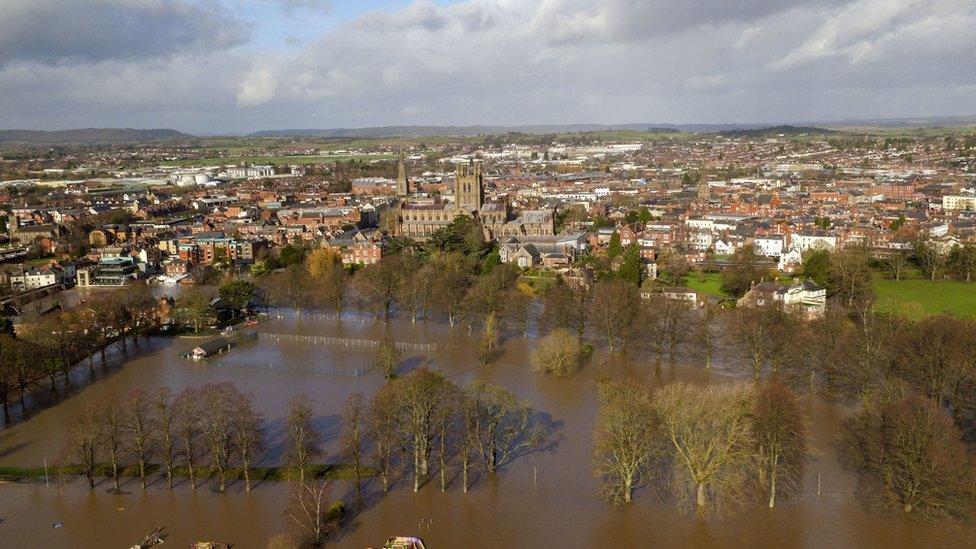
[(418, 217)]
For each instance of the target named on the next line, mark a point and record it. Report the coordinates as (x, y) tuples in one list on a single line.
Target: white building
[(804, 242)]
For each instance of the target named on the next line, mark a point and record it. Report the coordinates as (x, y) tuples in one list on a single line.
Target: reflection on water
[(547, 499)]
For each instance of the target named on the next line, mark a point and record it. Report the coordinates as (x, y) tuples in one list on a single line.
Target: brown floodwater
[(545, 499)]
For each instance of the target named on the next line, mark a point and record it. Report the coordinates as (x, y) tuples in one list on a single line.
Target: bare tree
[(415, 288), (910, 453), (290, 288), (779, 432), (626, 438), (850, 274), (353, 438), (248, 435), (189, 421), (194, 308), (218, 401), (166, 420), (930, 256), (559, 353), (140, 424), (568, 306), (452, 282), (615, 306), (112, 418), (419, 403), (383, 430), (388, 358), (85, 439), (311, 511), (895, 261), (705, 333), (378, 286), (710, 437), (502, 427), (676, 319), (303, 438)]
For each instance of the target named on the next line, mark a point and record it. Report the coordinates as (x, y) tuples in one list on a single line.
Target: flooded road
[(546, 499)]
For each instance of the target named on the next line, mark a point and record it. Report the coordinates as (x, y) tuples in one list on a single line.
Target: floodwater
[(546, 499)]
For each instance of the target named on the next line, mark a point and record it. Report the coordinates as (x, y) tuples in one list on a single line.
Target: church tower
[(403, 184), (469, 187), (704, 192)]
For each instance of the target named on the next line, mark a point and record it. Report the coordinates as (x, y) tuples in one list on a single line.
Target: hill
[(444, 131), (89, 136), (777, 130)]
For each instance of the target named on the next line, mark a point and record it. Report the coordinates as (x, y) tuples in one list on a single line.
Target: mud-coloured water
[(546, 499)]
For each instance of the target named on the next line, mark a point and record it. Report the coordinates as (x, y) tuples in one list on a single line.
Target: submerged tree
[(248, 435), (85, 439), (910, 452), (311, 511), (626, 439), (710, 438), (559, 353), (501, 426), (303, 438), (779, 436), (353, 438), (140, 423), (614, 310)]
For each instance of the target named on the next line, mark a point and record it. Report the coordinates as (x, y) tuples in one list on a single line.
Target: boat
[(155, 537), (404, 542)]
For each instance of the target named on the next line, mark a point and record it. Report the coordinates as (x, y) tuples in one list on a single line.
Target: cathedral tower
[(469, 187)]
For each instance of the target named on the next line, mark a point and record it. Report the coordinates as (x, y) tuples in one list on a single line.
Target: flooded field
[(547, 499)]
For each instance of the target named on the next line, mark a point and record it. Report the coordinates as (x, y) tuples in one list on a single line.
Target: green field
[(708, 283), (279, 160), (912, 296), (944, 296)]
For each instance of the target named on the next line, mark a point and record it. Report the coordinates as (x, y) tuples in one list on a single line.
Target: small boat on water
[(209, 545), (404, 542), (155, 537)]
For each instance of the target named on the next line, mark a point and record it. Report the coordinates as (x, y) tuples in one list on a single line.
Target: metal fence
[(347, 341)]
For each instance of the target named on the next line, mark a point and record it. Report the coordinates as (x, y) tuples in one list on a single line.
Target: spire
[(403, 184), (704, 193)]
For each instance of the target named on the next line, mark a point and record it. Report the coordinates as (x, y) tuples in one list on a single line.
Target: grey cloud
[(538, 61), (96, 30)]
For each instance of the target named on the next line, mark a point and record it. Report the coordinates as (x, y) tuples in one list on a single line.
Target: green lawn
[(911, 296), (944, 296), (709, 283)]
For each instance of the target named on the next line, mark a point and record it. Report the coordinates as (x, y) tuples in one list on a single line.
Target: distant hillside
[(777, 130), (435, 131), (89, 136)]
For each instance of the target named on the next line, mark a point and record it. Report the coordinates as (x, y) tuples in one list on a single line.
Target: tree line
[(708, 448), (50, 347)]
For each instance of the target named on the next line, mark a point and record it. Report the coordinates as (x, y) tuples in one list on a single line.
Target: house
[(676, 293), (804, 298), (209, 348)]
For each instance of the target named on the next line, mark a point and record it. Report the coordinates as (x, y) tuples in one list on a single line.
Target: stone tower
[(403, 184), (704, 192), (469, 187)]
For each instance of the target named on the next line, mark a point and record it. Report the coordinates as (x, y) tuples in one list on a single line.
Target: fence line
[(347, 341), (307, 369)]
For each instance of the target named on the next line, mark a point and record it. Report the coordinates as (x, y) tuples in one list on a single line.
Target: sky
[(232, 66)]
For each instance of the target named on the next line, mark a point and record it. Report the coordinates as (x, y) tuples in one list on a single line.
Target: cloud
[(316, 5), (508, 62), (51, 31)]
